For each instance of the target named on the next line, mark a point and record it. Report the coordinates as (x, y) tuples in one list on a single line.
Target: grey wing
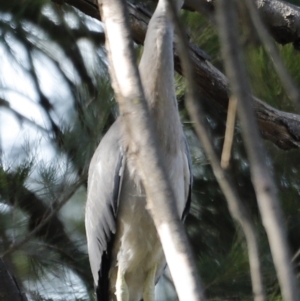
[(104, 182), (189, 183), (189, 180)]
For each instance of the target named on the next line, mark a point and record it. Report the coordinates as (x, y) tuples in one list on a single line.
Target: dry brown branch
[(229, 133)]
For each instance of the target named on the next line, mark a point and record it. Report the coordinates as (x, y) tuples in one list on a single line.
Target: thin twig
[(235, 205), (229, 133), (296, 255), (268, 202)]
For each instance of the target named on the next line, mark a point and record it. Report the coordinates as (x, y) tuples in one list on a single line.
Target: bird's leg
[(122, 293), (148, 294)]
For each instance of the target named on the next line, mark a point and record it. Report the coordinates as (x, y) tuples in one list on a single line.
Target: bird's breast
[(137, 248)]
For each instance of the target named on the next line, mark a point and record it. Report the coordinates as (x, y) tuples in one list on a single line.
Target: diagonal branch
[(280, 17), (280, 127)]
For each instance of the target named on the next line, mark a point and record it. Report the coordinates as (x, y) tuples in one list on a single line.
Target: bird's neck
[(163, 5), (157, 74)]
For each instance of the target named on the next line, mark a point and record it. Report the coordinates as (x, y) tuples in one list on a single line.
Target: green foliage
[(265, 82), (203, 33), (41, 171)]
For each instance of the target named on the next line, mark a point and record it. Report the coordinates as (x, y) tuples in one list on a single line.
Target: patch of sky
[(17, 87), (4, 208), (88, 52), (53, 86), (91, 23), (72, 20), (50, 12)]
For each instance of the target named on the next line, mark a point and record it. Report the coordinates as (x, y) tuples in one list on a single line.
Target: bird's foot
[(148, 294), (121, 293)]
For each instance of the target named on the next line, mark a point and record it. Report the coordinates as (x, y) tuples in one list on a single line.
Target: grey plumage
[(120, 230)]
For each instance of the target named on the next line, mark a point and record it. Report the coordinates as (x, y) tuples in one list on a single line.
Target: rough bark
[(281, 128), (281, 18)]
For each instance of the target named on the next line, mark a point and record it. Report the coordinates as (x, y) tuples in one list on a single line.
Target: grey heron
[(125, 252)]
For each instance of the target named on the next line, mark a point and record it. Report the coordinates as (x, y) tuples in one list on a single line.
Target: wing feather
[(189, 181), (104, 184)]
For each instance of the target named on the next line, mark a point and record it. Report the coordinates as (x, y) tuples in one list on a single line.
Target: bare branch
[(280, 127), (280, 17), (235, 205), (142, 148), (282, 20), (229, 133), (288, 83), (263, 183)]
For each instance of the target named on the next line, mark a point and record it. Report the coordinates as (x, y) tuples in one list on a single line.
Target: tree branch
[(263, 183), (282, 128), (280, 17), (236, 207), (140, 141), (282, 20), (287, 81)]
